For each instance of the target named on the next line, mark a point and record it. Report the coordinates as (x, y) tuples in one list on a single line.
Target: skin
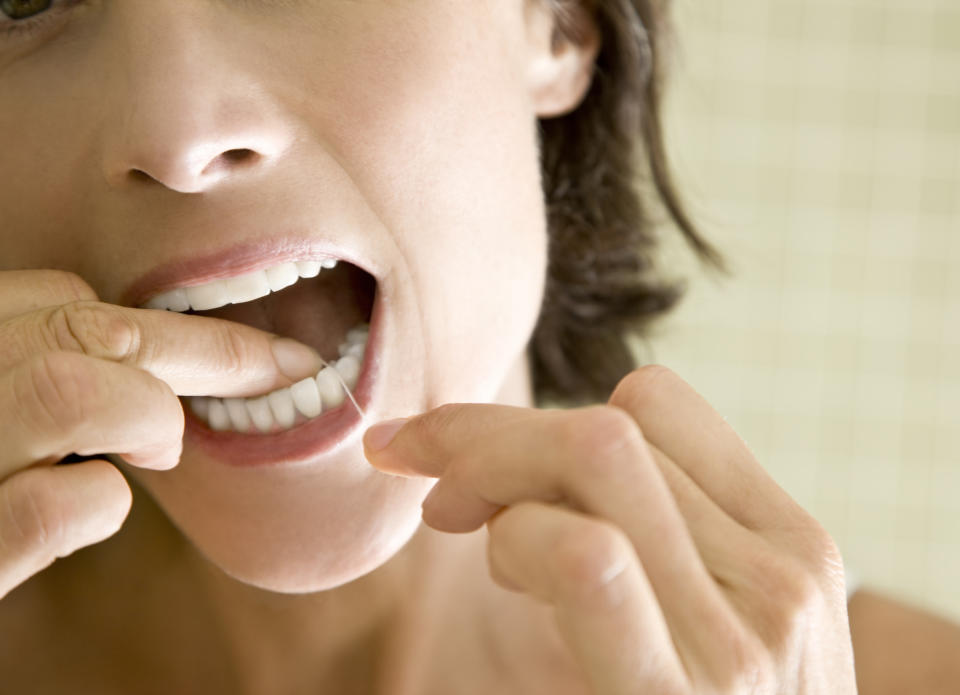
[(373, 152), (643, 528), (139, 170), (900, 648)]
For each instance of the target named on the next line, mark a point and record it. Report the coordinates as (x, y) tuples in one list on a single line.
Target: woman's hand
[(674, 562), (80, 376)]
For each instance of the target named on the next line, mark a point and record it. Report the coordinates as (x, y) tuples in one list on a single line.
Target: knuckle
[(442, 419), (813, 547), (793, 595), (94, 329), (53, 391), (591, 558), (779, 574), (601, 434), (749, 667), (641, 387), (822, 550), (31, 520), (237, 350)]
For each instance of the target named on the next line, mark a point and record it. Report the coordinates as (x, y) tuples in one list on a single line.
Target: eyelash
[(25, 28)]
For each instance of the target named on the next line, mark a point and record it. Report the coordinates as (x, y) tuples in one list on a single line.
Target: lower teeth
[(288, 407)]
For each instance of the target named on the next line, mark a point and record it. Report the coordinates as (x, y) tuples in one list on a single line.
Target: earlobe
[(561, 58)]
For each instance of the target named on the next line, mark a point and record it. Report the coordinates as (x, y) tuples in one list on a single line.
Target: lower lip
[(313, 438)]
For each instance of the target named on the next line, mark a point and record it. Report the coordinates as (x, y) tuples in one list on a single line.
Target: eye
[(23, 9), (29, 16)]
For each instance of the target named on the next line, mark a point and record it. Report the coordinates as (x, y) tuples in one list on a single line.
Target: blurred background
[(817, 142)]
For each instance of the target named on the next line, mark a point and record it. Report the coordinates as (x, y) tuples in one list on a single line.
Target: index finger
[(594, 460), (194, 355), (680, 423)]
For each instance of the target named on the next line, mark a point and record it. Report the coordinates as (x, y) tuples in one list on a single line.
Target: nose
[(186, 111)]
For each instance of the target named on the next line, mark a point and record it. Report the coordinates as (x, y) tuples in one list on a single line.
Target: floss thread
[(346, 389)]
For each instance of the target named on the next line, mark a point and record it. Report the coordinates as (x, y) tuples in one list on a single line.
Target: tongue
[(317, 311)]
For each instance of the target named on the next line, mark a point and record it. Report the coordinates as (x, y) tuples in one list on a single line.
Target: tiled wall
[(818, 143)]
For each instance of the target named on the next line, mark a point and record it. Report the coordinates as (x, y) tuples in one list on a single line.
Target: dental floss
[(346, 389)]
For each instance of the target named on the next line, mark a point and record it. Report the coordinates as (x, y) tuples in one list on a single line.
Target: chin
[(320, 564), (309, 529)]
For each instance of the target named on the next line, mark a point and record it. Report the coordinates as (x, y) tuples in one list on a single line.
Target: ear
[(563, 41)]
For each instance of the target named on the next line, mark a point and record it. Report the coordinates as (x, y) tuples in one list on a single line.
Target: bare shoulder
[(899, 648)]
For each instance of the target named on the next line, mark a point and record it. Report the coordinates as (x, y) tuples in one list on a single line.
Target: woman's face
[(398, 134)]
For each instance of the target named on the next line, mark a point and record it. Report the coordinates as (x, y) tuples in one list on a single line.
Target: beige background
[(818, 143)]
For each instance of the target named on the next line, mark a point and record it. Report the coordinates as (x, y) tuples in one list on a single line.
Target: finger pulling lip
[(315, 437)]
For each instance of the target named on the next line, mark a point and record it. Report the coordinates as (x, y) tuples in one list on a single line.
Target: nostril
[(187, 179), (231, 159), (238, 155), (140, 175)]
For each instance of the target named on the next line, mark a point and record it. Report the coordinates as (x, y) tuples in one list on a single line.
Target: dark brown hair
[(605, 175)]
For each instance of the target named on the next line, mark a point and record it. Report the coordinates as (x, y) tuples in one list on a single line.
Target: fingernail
[(381, 434), (294, 359)]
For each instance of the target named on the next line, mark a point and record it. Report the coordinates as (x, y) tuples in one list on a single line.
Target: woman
[(211, 201)]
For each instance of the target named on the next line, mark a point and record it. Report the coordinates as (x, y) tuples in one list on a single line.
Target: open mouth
[(327, 304)]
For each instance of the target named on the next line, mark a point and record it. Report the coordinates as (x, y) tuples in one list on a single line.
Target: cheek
[(38, 160), (441, 142)]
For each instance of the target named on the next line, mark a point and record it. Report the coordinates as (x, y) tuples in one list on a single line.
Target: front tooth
[(246, 288), (281, 405), (209, 296), (218, 416), (158, 302), (178, 300), (174, 300), (331, 392), (306, 397), (308, 269), (281, 276), (239, 415), (260, 413), (349, 369)]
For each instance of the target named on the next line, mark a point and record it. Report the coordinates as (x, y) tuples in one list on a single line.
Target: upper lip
[(240, 258)]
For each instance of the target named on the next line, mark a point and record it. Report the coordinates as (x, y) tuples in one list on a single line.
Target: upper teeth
[(239, 289)]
